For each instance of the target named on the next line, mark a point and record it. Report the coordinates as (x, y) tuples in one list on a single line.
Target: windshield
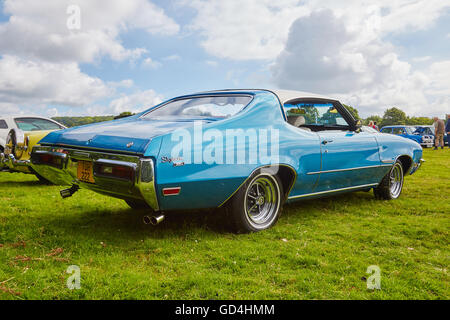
[(211, 108), (36, 124), (410, 130)]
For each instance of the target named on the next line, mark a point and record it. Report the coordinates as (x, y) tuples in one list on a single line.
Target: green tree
[(353, 111), (124, 115), (414, 121), (393, 116), (373, 118)]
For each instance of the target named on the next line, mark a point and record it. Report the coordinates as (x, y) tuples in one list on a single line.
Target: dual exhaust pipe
[(153, 220)]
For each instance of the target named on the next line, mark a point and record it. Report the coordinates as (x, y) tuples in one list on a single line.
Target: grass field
[(320, 249)]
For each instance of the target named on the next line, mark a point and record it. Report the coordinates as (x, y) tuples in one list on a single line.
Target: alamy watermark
[(230, 146), (74, 281), (374, 281), (74, 19)]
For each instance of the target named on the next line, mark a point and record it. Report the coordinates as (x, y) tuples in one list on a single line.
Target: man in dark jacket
[(447, 129)]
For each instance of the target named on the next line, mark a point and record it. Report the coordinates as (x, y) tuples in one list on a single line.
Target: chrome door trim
[(349, 169), (335, 190)]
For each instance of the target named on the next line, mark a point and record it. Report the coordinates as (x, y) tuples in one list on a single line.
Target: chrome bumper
[(10, 162), (416, 166), (66, 173)]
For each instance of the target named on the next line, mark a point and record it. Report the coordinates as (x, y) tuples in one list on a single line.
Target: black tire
[(391, 186), (261, 194), (137, 204)]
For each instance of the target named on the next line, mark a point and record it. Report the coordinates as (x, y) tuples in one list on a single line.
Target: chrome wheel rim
[(396, 180), (262, 201)]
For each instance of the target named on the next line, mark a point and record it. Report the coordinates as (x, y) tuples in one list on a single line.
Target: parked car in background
[(18, 136), (430, 131), (409, 132), (316, 149)]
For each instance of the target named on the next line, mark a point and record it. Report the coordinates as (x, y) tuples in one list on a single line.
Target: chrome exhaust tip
[(153, 220), (66, 193)]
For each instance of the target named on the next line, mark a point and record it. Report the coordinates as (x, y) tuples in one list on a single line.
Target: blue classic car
[(427, 130), (410, 132), (248, 151)]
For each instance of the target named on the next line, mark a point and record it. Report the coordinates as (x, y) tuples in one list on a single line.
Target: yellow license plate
[(85, 172)]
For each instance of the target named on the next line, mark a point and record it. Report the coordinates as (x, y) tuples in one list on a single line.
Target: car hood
[(126, 135)]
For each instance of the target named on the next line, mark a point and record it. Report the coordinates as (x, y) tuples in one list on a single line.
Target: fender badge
[(89, 141), (129, 145)]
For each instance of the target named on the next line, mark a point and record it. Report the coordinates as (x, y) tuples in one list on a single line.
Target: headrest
[(296, 121)]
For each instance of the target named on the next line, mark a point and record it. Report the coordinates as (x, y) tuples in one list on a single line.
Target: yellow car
[(19, 144)]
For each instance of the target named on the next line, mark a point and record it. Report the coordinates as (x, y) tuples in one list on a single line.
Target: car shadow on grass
[(128, 223)]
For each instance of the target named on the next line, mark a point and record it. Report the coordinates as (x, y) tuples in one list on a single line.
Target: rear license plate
[(85, 172)]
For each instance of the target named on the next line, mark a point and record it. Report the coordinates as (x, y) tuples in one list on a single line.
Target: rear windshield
[(36, 124), (202, 108)]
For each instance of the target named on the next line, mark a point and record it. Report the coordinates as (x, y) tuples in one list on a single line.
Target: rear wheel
[(137, 204), (392, 184), (257, 205)]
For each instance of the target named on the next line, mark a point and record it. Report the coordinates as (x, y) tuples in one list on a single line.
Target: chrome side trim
[(349, 169), (333, 191)]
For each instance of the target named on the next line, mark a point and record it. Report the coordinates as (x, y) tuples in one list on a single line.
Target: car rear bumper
[(63, 170), (9, 162)]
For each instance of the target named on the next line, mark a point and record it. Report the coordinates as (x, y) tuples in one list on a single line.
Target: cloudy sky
[(127, 55)]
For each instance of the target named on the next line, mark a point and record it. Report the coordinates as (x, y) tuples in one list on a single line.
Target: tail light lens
[(49, 159), (115, 170)]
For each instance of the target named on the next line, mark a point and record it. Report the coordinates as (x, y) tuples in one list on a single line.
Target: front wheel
[(257, 205), (391, 186)]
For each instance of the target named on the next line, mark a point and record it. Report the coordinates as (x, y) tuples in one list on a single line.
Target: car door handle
[(327, 141)]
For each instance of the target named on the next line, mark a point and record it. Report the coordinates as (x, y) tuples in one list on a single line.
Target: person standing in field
[(375, 126), (447, 129), (439, 129)]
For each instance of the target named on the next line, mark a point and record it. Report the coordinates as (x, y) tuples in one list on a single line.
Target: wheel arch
[(285, 172), (406, 162)]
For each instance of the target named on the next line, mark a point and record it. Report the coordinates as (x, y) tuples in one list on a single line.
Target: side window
[(3, 124), (36, 124), (399, 131), (314, 115), (386, 130)]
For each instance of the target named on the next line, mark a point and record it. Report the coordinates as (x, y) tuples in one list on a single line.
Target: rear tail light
[(49, 159), (114, 170)]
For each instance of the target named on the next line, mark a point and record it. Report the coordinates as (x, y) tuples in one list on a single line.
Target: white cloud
[(212, 63), (258, 29), (346, 56), (28, 82), (40, 56), (152, 64), (38, 29), (127, 83), (136, 102), (173, 57), (421, 59), (244, 30)]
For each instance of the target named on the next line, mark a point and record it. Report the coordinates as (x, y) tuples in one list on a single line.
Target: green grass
[(320, 249)]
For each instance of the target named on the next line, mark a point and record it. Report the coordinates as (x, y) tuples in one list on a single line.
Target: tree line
[(392, 116), (80, 121)]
